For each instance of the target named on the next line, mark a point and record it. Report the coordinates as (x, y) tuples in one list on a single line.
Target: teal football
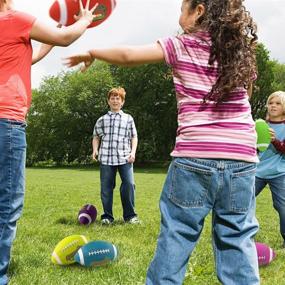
[(96, 253)]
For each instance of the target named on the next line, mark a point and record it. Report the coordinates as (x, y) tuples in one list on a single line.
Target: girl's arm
[(67, 35), (41, 52), (124, 56)]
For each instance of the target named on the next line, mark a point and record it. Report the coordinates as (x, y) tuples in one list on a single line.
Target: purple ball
[(87, 214)]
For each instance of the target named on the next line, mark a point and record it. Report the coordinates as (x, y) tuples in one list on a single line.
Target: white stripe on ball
[(85, 216), (63, 12), (84, 238), (56, 257), (81, 258), (270, 254), (115, 252)]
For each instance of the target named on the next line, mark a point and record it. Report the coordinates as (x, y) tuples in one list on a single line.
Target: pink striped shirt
[(206, 131)]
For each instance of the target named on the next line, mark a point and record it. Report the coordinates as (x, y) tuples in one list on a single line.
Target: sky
[(143, 22)]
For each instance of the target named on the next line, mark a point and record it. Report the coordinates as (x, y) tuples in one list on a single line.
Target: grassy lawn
[(53, 199)]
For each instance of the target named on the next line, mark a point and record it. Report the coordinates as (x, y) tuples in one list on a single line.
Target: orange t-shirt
[(15, 64)]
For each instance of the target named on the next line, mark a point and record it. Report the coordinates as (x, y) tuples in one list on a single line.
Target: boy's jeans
[(127, 190), (12, 184), (192, 189), (277, 188)]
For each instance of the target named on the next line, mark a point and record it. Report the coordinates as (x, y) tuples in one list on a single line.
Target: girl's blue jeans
[(12, 184), (127, 189), (277, 188), (193, 188)]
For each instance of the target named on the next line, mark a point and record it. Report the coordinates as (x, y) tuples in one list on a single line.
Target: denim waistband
[(215, 163), (12, 122)]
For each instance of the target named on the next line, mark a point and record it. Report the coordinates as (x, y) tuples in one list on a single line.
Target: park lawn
[(53, 199)]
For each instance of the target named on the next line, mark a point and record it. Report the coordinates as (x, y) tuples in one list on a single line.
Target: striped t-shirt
[(225, 131)]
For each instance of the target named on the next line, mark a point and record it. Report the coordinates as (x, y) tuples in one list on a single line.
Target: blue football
[(96, 253)]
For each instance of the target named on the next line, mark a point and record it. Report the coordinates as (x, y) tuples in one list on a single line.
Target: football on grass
[(87, 214), (265, 254), (65, 250), (96, 253)]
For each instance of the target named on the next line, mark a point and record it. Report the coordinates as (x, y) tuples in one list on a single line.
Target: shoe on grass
[(106, 222), (133, 221)]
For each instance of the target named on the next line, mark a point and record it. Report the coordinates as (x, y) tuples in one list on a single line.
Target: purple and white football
[(87, 214), (96, 253), (265, 254)]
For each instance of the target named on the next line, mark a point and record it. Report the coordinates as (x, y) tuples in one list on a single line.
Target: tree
[(263, 85), (63, 114)]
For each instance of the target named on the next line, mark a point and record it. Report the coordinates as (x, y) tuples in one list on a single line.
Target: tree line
[(65, 108)]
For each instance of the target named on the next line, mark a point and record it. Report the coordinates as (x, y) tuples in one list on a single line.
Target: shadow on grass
[(66, 221)]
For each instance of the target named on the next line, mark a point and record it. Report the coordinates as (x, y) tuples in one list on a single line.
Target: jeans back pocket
[(242, 190), (189, 185)]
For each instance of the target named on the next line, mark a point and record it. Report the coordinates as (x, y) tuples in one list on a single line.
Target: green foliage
[(279, 76), (53, 199), (66, 107), (63, 114), (263, 86)]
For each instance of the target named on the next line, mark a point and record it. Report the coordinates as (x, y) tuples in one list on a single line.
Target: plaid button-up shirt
[(115, 131)]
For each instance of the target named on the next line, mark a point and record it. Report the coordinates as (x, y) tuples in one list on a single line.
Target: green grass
[(53, 199)]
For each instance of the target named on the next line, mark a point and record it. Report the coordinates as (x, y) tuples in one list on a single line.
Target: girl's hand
[(85, 58), (272, 134), (85, 13)]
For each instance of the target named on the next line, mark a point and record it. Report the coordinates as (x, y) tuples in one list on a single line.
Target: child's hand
[(85, 13), (132, 158), (74, 60), (272, 134), (95, 154)]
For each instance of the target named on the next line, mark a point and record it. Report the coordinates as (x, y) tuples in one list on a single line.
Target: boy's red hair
[(119, 91)]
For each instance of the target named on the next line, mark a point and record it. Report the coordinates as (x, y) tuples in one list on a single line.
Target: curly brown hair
[(234, 39)]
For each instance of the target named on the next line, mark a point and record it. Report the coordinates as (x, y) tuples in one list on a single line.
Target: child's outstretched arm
[(67, 35), (124, 56)]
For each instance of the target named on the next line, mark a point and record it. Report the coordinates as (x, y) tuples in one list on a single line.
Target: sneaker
[(133, 221), (106, 222)]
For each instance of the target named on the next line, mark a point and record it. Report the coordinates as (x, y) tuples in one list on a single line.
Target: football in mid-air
[(96, 253), (63, 11), (87, 214), (65, 250), (265, 254)]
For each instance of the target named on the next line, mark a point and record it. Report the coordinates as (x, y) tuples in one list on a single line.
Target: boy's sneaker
[(106, 222), (133, 221)]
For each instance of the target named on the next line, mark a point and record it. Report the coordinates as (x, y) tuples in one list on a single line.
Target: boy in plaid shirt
[(115, 136)]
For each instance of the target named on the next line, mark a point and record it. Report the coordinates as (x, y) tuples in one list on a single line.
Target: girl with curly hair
[(214, 158)]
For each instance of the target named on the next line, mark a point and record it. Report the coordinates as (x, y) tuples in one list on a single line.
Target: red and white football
[(265, 254), (63, 11)]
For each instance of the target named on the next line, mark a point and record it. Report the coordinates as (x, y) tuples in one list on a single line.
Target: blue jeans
[(12, 185), (192, 189), (277, 188), (127, 190)]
